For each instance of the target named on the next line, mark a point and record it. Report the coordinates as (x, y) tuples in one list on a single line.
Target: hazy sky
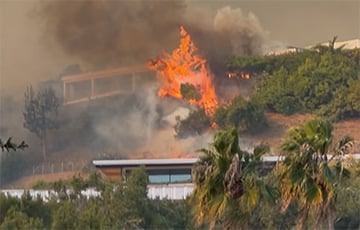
[(28, 57), (301, 22)]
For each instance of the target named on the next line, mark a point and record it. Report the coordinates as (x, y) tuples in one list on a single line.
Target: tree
[(319, 80), (40, 114), (348, 201), (267, 65), (170, 214), (6, 203), (15, 219), (89, 217), (196, 123), (65, 217), (189, 92), (245, 115), (353, 98), (312, 170), (121, 205), (226, 180), (135, 200)]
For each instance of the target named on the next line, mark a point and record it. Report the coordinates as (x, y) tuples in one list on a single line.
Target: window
[(169, 175), (180, 175)]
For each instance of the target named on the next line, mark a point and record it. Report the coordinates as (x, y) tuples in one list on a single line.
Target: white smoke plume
[(245, 31)]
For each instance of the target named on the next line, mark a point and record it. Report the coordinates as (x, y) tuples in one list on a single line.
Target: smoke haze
[(245, 33), (113, 33), (27, 56), (104, 34)]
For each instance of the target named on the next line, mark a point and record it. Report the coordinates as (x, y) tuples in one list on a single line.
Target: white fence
[(161, 191), (170, 191), (45, 195)]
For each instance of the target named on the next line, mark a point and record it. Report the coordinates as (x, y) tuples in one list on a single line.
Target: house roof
[(147, 162), (168, 161), (173, 161)]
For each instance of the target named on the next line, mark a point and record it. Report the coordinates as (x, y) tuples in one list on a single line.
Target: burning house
[(135, 108), (132, 104)]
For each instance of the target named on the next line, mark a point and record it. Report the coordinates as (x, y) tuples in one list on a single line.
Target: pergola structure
[(93, 85)]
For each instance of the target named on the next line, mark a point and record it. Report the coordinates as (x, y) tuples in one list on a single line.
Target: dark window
[(180, 175), (169, 175), (165, 176)]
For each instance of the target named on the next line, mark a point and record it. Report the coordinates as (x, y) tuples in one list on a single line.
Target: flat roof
[(137, 162), (167, 161), (175, 161)]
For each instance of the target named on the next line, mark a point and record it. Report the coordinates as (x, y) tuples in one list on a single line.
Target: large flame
[(183, 66)]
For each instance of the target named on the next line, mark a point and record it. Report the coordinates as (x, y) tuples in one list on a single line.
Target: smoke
[(138, 127), (229, 33), (113, 33), (130, 123), (245, 33), (106, 34)]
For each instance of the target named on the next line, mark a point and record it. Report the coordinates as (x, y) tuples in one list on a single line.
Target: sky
[(27, 55), (302, 22)]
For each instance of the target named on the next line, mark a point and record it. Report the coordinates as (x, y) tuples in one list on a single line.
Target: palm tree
[(312, 170), (226, 182)]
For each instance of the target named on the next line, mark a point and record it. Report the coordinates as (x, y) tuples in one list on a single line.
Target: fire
[(183, 66), (240, 75)]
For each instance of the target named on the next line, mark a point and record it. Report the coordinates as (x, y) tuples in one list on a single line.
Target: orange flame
[(240, 75), (184, 66)]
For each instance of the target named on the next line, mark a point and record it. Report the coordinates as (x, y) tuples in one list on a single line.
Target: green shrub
[(195, 124)]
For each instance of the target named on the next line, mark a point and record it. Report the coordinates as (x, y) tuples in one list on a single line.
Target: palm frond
[(270, 194), (347, 146), (312, 193), (326, 172), (289, 146), (297, 174), (260, 150), (250, 198)]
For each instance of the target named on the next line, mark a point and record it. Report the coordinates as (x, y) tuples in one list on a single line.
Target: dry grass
[(279, 124), (350, 127)]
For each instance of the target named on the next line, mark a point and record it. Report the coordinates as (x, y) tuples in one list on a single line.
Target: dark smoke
[(114, 33), (106, 34)]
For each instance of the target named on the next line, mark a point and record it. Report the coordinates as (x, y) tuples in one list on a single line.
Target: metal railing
[(58, 167)]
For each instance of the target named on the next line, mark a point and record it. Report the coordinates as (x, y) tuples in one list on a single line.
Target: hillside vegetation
[(324, 82), (289, 89)]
